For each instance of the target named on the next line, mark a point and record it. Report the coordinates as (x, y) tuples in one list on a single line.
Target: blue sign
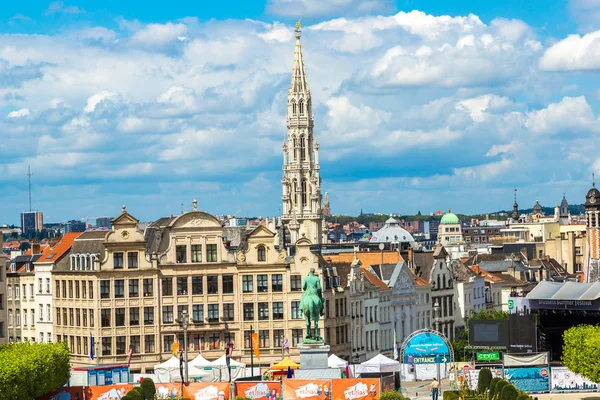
[(529, 379), (426, 348)]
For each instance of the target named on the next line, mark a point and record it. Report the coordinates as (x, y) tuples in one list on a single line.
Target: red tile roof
[(367, 258), (375, 281), (420, 281), (51, 254)]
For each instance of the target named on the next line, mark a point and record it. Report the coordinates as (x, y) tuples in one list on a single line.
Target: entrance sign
[(493, 356), (426, 347)]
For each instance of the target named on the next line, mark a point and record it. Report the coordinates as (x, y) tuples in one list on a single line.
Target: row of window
[(15, 291), (76, 289), (181, 253)]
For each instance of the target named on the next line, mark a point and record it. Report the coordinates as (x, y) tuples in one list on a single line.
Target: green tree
[(581, 351), (148, 388), (484, 380), (509, 392), (498, 389), (29, 370), (391, 395)]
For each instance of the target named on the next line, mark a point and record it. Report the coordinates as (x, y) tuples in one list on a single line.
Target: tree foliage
[(484, 380), (148, 388), (30, 370), (498, 389), (509, 392), (391, 395), (581, 351)]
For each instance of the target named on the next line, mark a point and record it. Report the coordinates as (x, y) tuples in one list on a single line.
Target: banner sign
[(306, 389), (110, 392), (529, 379), (207, 390), (258, 390), (459, 373), (564, 380), (564, 304), (355, 389), (67, 393), (493, 356), (522, 333), (426, 348)]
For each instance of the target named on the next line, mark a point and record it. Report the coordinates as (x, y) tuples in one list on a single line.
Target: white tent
[(335, 362), (169, 371), (379, 363), (238, 369), (204, 365)]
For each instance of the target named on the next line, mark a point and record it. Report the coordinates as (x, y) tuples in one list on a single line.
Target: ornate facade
[(592, 223), (301, 183)]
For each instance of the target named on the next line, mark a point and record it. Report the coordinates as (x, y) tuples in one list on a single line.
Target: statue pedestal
[(313, 356)]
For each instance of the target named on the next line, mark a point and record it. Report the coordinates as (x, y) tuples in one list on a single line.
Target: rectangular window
[(167, 286), (71, 317), (182, 286), (198, 313), (70, 290), (278, 338), (180, 309), (25, 318), (134, 341), (107, 346), (263, 339), (211, 253), (134, 288), (228, 337), (40, 285), (104, 289), (277, 283), (227, 284), (118, 260), (214, 340), (247, 283), (197, 284), (119, 288), (148, 315), (91, 289), (148, 287), (296, 337), (105, 317), (196, 253), (278, 310), (262, 283), (295, 283), (213, 313), (77, 289), (149, 344), (57, 289), (91, 318), (248, 311), (119, 317), (77, 317), (212, 283), (83, 289), (181, 253), (167, 312), (132, 259), (296, 311), (84, 313), (120, 344), (64, 316), (168, 341), (263, 311), (247, 339), (228, 312), (134, 316), (57, 316), (41, 313)]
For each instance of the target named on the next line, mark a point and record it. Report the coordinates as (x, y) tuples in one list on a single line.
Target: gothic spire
[(299, 83)]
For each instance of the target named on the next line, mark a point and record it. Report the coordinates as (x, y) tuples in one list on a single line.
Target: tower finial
[(298, 30), (194, 205), (515, 195), (593, 180)]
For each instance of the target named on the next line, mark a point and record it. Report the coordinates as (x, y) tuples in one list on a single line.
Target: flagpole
[(251, 353)]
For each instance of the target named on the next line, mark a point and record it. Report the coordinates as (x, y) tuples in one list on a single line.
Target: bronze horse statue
[(312, 306)]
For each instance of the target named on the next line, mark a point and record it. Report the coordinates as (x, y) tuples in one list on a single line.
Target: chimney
[(53, 242), (410, 258), (35, 247)]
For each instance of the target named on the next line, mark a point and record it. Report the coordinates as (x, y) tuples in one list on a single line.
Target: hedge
[(484, 380)]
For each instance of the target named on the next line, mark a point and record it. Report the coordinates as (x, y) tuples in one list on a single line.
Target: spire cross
[(515, 195), (593, 180)]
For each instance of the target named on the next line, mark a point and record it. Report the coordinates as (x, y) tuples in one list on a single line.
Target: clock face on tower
[(592, 199)]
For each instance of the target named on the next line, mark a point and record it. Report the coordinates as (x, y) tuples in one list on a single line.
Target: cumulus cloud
[(573, 53), (58, 7), (159, 34), (326, 8), (23, 112), (571, 114), (96, 99)]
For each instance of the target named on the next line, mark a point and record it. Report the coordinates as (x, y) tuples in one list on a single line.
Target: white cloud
[(96, 99), (571, 114), (499, 149), (58, 7), (476, 107), (325, 8), (573, 53), (23, 112), (159, 34)]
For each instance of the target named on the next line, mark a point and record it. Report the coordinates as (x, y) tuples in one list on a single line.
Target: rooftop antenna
[(515, 195), (182, 208), (593, 180), (29, 175)]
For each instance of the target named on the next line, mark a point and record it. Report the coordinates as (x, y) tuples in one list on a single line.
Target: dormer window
[(262, 253)]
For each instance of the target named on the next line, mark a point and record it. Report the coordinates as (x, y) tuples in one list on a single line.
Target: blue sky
[(419, 104)]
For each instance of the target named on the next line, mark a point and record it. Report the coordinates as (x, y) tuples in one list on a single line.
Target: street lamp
[(436, 311), (184, 321)]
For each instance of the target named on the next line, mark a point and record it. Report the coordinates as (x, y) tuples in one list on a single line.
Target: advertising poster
[(208, 390), (388, 383), (306, 389), (68, 393), (355, 389), (459, 373), (426, 348), (167, 390), (258, 390), (530, 379), (564, 380), (111, 392)]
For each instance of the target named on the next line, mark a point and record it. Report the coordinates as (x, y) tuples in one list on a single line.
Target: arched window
[(301, 108), (294, 108), (302, 148), (262, 253), (304, 192)]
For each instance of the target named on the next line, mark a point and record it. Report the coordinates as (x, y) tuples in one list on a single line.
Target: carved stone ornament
[(125, 234), (241, 257), (282, 255)]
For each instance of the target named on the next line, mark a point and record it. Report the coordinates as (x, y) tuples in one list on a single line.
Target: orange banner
[(168, 390), (306, 389), (67, 393), (208, 390), (108, 392), (355, 389), (255, 344), (258, 390)]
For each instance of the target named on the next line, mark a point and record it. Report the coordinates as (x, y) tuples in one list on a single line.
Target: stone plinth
[(313, 356)]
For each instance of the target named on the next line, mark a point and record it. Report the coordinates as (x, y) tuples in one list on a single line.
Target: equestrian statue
[(312, 306)]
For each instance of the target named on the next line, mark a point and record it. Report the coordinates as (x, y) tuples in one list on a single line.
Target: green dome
[(449, 219)]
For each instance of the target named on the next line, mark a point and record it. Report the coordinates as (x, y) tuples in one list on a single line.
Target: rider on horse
[(312, 304)]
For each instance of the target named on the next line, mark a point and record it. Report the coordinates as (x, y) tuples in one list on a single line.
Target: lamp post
[(184, 321), (436, 322)]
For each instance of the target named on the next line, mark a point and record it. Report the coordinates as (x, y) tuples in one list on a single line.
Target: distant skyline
[(419, 105)]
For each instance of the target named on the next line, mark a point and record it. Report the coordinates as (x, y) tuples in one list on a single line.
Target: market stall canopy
[(221, 373), (200, 362), (379, 363), (169, 371), (335, 362), (285, 364), (221, 362)]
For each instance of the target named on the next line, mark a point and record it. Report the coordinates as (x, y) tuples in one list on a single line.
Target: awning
[(285, 364)]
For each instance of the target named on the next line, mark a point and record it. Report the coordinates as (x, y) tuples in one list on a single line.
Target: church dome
[(537, 208), (592, 198), (449, 219), (391, 232), (564, 202)]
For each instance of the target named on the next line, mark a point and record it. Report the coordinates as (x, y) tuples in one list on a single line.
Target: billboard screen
[(488, 333), (522, 333)]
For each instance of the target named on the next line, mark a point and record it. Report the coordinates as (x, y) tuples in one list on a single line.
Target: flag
[(91, 346), (130, 353), (228, 353), (289, 373), (347, 371), (175, 349), (395, 346), (200, 344), (286, 345), (181, 366), (255, 344)]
